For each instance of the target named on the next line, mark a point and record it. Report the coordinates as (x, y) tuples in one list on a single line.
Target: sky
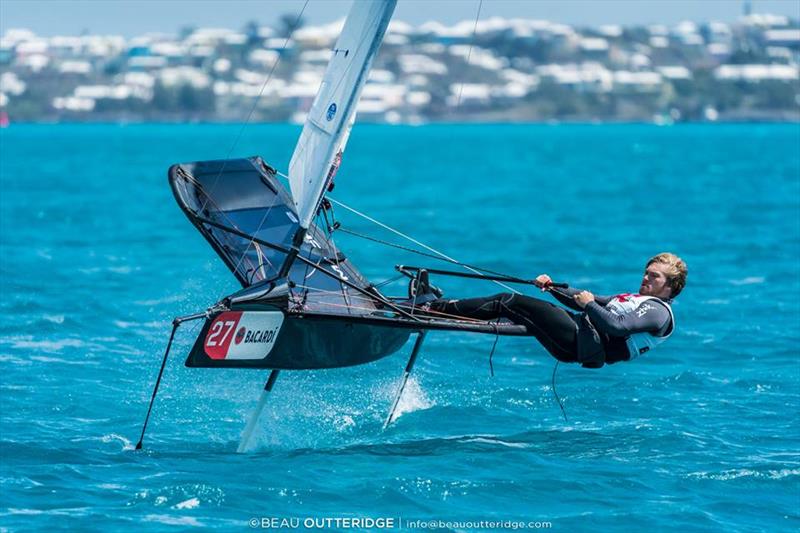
[(135, 17)]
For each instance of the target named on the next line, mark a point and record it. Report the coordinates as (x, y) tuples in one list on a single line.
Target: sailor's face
[(654, 282)]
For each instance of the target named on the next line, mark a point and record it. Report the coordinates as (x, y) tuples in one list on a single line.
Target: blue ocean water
[(701, 434)]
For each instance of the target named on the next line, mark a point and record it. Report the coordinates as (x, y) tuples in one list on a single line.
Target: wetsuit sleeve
[(649, 317), (565, 296), (602, 300)]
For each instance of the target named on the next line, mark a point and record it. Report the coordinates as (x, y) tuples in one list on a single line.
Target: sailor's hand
[(543, 281), (583, 298)]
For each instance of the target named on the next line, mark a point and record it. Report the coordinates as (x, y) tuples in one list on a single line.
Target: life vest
[(640, 343)]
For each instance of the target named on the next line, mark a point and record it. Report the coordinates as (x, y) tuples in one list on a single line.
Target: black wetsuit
[(593, 337)]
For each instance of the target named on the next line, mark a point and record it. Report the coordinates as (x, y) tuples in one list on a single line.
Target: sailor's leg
[(482, 308), (552, 326)]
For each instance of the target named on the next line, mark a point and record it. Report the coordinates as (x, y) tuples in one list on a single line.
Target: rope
[(491, 354), (555, 393)]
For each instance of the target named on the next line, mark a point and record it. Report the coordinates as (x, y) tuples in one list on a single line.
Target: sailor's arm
[(650, 317), (566, 296)]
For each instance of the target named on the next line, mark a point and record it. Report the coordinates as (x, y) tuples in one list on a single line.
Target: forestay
[(318, 152)]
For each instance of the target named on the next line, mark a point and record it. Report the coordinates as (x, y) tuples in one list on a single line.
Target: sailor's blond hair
[(676, 271)]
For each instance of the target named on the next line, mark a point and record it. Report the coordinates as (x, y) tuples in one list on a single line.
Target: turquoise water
[(701, 434)]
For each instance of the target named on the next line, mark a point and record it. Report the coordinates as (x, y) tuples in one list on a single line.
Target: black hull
[(307, 342)]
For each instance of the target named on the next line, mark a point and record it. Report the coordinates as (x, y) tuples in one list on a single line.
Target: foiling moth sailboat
[(303, 305)]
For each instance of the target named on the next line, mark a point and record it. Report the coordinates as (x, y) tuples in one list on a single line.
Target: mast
[(327, 128)]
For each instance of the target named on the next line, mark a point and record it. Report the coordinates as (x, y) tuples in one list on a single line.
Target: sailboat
[(303, 304)]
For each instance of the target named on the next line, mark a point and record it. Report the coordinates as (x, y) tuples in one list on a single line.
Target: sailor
[(604, 330)]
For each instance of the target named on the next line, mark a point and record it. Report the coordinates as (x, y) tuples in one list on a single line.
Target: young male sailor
[(606, 329)]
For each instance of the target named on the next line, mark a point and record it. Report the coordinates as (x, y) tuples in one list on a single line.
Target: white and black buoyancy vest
[(640, 343)]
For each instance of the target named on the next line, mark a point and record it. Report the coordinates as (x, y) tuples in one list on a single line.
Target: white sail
[(318, 152)]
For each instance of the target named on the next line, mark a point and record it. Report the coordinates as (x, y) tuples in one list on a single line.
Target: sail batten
[(327, 127)]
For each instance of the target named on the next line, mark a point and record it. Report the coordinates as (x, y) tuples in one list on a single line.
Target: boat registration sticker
[(243, 334)]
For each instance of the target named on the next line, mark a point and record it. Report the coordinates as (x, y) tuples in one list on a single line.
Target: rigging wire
[(418, 243), (255, 103), (420, 252), (469, 53)]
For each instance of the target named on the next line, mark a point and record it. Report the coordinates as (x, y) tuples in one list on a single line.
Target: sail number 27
[(217, 328)]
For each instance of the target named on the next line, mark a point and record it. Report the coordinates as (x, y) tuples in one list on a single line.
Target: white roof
[(639, 61), (322, 56), (478, 57), (516, 76), (783, 36), (168, 49), (398, 26), (471, 91), (610, 30), (308, 77), (75, 67), (32, 46), (685, 26), (381, 76), (432, 48), (278, 43), (625, 77), (66, 41), (147, 62), (95, 92), (395, 39), (35, 62), (139, 79), (417, 63), (265, 58), (71, 103), (719, 49), (301, 90), (221, 65), (319, 34), (16, 35), (659, 41), (765, 19), (757, 72), (248, 76), (365, 107), (719, 28), (185, 75), (593, 44), (510, 90), (418, 98), (11, 84), (211, 36), (675, 72), (417, 80)]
